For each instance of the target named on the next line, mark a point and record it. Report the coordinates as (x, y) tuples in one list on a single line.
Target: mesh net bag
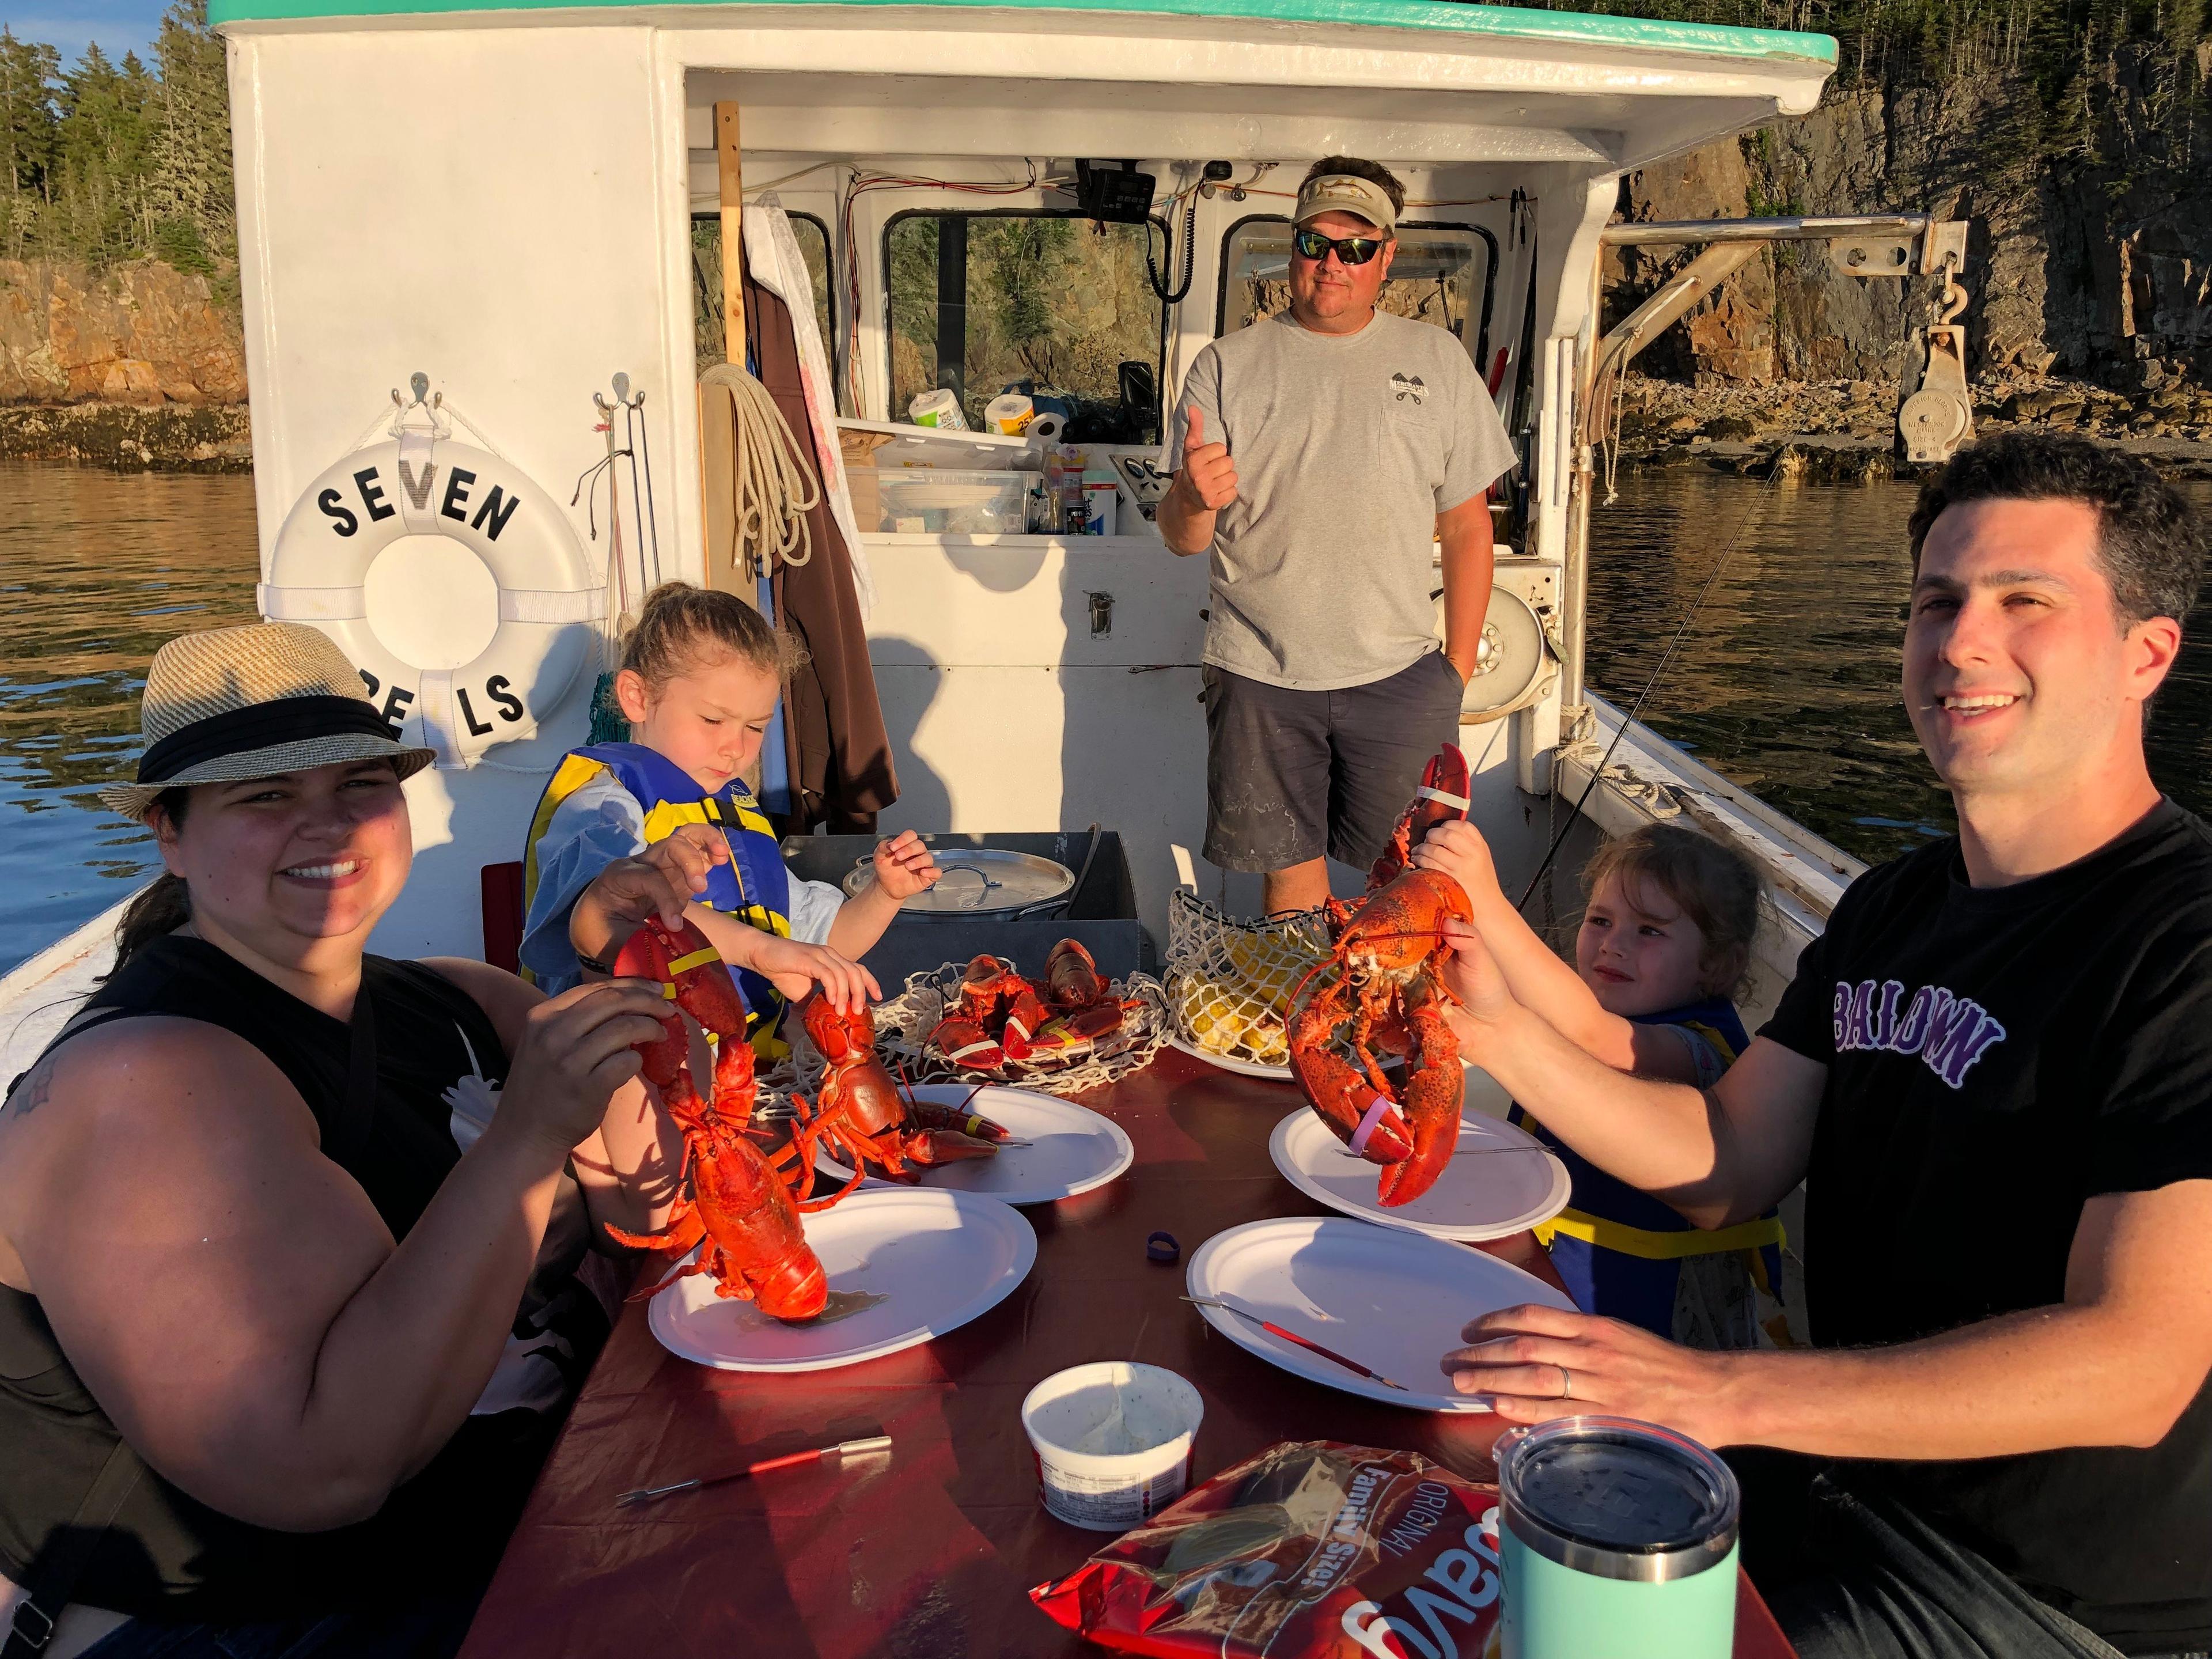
[(1229, 981), (904, 1025)]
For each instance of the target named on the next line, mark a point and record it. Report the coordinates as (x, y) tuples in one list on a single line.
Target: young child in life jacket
[(1665, 942), (701, 676)]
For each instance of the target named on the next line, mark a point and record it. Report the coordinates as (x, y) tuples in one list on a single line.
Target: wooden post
[(733, 173), (725, 574)]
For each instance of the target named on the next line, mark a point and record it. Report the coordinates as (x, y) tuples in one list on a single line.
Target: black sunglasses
[(1350, 250)]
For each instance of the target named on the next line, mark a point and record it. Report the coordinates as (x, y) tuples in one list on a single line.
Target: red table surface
[(930, 1553)]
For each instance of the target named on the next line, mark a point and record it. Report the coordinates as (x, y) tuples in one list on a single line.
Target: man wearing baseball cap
[(1320, 457)]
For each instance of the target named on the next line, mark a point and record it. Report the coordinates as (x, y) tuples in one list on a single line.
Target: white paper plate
[(938, 1260), (1072, 1148), (1394, 1301), (1500, 1181), (1227, 1063)]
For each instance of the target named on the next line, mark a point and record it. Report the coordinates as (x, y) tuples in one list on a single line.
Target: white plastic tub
[(1112, 1441)]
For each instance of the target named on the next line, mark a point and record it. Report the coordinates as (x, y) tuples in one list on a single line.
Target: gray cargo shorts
[(1293, 775)]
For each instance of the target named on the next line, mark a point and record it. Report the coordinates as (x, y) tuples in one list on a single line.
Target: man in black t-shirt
[(1994, 1074)]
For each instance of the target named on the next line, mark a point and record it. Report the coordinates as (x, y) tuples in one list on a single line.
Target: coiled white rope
[(774, 485)]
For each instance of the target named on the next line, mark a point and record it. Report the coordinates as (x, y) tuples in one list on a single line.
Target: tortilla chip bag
[(1310, 1550)]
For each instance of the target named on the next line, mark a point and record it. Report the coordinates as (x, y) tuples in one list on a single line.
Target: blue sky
[(119, 25)]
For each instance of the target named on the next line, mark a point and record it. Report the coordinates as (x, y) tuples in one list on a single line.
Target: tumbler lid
[(1618, 1499)]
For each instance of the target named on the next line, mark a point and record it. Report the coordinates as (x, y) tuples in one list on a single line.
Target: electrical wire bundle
[(860, 184)]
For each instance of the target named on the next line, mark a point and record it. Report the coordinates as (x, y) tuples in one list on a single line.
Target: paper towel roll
[(939, 408), (1007, 415)]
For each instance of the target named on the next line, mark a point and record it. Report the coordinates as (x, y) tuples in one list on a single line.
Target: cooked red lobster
[(1380, 993), (730, 1196), (1002, 1017), (865, 1119)]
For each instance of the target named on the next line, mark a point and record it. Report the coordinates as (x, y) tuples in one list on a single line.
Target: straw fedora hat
[(235, 703)]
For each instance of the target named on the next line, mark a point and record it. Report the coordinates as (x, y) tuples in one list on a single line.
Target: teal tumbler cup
[(1616, 1539)]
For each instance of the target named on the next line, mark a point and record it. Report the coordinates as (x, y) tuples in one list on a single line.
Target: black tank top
[(395, 1109)]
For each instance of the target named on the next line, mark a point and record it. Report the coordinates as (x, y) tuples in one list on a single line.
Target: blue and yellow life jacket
[(753, 887), (1620, 1250)]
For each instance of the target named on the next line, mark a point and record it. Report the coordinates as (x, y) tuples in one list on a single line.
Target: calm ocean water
[(97, 570), (1788, 684)]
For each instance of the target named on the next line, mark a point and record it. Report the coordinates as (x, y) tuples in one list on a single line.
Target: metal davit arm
[(1913, 225), (1938, 415)]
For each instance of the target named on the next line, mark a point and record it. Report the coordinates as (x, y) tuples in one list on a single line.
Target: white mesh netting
[(904, 1025), (1229, 981)]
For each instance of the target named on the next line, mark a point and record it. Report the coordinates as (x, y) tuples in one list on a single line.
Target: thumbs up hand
[(1208, 477)]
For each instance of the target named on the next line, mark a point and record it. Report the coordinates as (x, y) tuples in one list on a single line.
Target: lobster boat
[(490, 245), (523, 209)]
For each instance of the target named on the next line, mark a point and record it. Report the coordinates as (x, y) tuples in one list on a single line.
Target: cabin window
[(979, 301), (1441, 275), (813, 238)]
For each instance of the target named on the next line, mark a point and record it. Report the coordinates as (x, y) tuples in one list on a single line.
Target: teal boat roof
[(1443, 16)]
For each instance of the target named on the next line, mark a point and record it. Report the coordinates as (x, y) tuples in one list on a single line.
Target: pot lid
[(979, 881)]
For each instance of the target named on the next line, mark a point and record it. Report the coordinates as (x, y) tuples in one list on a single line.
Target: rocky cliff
[(140, 334), (140, 366), (2092, 264)]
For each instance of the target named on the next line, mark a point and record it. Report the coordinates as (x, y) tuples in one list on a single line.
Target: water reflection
[(1788, 684), (97, 570)]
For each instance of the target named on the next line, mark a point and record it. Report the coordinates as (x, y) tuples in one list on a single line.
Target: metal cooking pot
[(982, 881)]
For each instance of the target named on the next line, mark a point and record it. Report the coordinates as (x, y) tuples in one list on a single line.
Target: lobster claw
[(691, 972), (1370, 1124), (1435, 1087), (1441, 798), (695, 978)]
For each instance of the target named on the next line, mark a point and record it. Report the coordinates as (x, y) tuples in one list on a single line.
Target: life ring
[(419, 484)]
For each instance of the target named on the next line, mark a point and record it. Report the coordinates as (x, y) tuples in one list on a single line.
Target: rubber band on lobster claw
[(1380, 995), (731, 1205)]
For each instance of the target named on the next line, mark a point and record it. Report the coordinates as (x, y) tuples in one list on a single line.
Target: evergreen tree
[(28, 71), (104, 138), (108, 161), (194, 216)]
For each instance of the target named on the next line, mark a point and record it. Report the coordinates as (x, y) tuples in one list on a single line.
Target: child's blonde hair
[(680, 627), (1716, 886)]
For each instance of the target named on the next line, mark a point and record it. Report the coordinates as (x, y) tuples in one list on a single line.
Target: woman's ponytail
[(163, 908)]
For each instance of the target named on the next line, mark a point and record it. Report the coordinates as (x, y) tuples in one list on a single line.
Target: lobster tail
[(793, 1288)]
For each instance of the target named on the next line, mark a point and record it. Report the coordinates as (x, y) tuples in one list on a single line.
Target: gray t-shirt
[(1346, 448)]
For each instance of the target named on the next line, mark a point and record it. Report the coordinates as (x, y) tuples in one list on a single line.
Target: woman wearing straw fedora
[(289, 1314)]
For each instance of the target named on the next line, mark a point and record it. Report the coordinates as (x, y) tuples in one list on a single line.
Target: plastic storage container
[(939, 500)]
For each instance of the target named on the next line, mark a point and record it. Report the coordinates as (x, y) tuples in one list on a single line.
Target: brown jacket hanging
[(839, 750)]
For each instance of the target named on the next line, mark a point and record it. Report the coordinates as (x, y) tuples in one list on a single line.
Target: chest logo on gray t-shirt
[(1408, 386)]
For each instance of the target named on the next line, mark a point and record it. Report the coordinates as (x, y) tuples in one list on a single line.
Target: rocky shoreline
[(1845, 431), (1811, 432), (130, 437)]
